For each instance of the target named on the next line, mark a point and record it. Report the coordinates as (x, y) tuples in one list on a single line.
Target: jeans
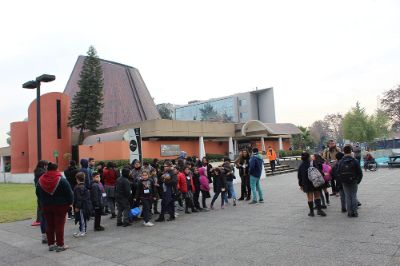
[(123, 212), (272, 163), (97, 218), (55, 220), (82, 222), (245, 186), (146, 209), (216, 194), (350, 191), (342, 199), (42, 223), (256, 187), (231, 189)]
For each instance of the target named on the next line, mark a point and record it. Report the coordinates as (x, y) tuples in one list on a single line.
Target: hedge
[(283, 153)]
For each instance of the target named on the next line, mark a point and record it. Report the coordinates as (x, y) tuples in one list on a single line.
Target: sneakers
[(79, 234), (36, 223), (234, 202), (170, 219), (321, 213), (261, 201), (253, 202), (148, 224), (241, 198), (222, 207), (61, 249), (311, 214), (52, 248)]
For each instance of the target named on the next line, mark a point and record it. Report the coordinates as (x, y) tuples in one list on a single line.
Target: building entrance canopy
[(258, 128)]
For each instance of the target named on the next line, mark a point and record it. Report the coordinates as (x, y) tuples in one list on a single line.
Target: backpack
[(326, 168), (315, 176), (347, 170)]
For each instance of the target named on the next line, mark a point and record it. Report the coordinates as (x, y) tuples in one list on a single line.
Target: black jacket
[(196, 182), (62, 196), (38, 173), (142, 186), (122, 190), (219, 183), (96, 196), (70, 174), (82, 201), (302, 176)]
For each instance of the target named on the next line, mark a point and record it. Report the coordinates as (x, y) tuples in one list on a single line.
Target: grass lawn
[(17, 202)]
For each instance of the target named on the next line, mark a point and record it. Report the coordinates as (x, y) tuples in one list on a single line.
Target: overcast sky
[(320, 56)]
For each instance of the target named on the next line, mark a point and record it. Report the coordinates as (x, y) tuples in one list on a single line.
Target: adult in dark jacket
[(168, 183), (313, 193), (256, 164), (350, 175), (40, 169), (122, 196), (55, 195), (242, 163), (84, 169)]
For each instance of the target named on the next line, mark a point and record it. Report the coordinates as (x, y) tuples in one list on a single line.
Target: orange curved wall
[(50, 142), (19, 147)]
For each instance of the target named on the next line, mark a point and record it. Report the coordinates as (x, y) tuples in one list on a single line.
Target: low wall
[(26, 178)]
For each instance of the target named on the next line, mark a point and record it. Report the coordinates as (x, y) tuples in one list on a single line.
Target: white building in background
[(240, 107)]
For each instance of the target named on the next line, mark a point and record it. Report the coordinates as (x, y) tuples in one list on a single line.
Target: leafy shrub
[(283, 153)]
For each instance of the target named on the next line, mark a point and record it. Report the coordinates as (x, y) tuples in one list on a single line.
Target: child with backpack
[(96, 196), (82, 205), (310, 180)]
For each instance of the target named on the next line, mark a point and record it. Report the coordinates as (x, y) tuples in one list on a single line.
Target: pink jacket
[(204, 185)]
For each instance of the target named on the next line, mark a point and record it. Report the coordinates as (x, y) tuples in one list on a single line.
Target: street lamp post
[(35, 84)]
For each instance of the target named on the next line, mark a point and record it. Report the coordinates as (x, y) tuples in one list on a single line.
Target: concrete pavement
[(278, 232)]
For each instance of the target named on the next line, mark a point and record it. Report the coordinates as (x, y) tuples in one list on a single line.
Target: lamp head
[(45, 78), (30, 85)]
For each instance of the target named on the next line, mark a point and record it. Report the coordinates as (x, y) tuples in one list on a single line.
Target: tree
[(86, 108), (303, 141), (381, 123), (335, 126), (8, 138), (358, 126), (391, 105), (165, 110), (208, 112), (319, 132)]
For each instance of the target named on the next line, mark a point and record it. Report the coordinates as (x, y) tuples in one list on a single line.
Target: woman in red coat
[(186, 187)]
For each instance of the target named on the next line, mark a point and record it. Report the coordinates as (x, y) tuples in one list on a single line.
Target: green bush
[(214, 157), (119, 163), (283, 153)]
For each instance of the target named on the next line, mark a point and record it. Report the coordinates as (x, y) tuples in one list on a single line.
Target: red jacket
[(182, 185), (109, 177)]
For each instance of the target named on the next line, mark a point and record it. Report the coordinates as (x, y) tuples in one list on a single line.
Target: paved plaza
[(278, 232)]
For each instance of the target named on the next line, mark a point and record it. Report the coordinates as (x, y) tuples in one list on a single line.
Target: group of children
[(174, 183)]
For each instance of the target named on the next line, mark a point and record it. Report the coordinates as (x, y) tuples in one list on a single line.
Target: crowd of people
[(159, 188), (339, 170)]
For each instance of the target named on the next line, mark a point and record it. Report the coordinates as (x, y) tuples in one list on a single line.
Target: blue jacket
[(88, 175), (256, 164)]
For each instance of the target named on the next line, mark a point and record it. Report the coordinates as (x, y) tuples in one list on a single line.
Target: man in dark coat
[(122, 197)]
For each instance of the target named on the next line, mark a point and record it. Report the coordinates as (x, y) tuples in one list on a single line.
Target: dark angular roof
[(126, 97)]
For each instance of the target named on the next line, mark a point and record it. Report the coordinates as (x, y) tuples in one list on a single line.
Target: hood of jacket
[(49, 181), (202, 171), (84, 163)]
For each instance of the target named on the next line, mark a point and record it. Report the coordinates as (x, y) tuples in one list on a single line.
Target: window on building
[(243, 116), (243, 102), (58, 119)]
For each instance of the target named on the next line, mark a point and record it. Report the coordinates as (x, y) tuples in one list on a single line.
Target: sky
[(320, 56)]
